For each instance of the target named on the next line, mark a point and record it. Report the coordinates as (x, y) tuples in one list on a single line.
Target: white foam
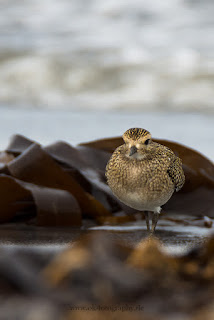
[(147, 55)]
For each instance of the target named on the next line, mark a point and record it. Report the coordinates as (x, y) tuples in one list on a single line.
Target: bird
[(144, 174)]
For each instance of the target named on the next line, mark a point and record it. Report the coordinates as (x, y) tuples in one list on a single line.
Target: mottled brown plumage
[(144, 174)]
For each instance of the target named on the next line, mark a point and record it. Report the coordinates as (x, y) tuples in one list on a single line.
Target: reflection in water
[(175, 238)]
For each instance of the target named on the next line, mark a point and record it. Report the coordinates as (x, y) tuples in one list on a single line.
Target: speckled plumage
[(144, 174), (135, 133)]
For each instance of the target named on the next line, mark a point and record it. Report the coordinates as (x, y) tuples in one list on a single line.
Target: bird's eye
[(147, 141)]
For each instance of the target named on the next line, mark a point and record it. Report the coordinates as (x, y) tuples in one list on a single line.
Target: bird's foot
[(146, 214), (155, 218)]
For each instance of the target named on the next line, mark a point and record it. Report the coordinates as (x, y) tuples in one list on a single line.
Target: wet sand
[(175, 238)]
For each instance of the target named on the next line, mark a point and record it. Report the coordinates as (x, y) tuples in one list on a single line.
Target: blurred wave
[(96, 54)]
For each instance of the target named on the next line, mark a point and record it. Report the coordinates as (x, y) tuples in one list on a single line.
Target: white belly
[(136, 201)]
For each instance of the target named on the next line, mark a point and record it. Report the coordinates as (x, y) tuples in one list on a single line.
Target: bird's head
[(137, 142)]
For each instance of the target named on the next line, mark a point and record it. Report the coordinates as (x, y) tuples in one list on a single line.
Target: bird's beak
[(133, 150)]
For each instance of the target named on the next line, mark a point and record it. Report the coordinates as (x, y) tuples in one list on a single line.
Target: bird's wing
[(176, 173)]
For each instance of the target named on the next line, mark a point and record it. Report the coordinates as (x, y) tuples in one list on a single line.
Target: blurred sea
[(97, 54), (193, 130)]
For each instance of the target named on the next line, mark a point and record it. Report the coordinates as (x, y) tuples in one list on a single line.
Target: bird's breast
[(141, 184)]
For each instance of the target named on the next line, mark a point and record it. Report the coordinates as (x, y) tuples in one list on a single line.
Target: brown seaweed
[(101, 277), (35, 165), (53, 207), (107, 273), (61, 185), (14, 197)]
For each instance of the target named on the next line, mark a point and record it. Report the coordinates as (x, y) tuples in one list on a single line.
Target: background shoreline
[(194, 130)]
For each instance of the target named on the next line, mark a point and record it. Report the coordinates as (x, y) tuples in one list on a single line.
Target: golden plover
[(144, 174)]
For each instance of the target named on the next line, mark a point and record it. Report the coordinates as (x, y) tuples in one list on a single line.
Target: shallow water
[(175, 239)]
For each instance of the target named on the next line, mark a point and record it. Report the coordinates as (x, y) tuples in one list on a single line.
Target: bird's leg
[(155, 218), (146, 214)]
